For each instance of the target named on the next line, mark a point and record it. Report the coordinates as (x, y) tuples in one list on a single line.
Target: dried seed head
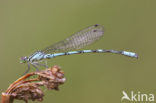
[(29, 89), (52, 77)]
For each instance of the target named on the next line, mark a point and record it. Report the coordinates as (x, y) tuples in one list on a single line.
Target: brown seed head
[(29, 89)]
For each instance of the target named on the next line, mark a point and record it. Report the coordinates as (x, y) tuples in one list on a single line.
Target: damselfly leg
[(28, 69)]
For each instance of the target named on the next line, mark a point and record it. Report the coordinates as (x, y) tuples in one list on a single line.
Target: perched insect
[(75, 41)]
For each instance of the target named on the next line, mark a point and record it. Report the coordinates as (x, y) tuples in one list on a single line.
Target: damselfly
[(75, 41)]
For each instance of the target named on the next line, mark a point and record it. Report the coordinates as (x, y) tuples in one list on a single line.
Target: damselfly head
[(23, 59)]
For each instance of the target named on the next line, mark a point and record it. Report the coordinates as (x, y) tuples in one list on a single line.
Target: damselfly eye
[(23, 59)]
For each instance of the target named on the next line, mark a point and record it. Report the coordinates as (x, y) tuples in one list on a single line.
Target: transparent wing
[(77, 40)]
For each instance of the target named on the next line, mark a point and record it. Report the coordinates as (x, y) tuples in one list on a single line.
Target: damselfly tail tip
[(130, 54), (136, 56)]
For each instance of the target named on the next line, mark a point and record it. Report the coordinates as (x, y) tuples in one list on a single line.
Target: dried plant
[(26, 88)]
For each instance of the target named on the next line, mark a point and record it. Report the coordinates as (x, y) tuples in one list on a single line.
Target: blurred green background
[(30, 25)]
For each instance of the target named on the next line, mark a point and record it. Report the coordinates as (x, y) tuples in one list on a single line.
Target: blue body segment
[(87, 51), (36, 56), (130, 54)]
